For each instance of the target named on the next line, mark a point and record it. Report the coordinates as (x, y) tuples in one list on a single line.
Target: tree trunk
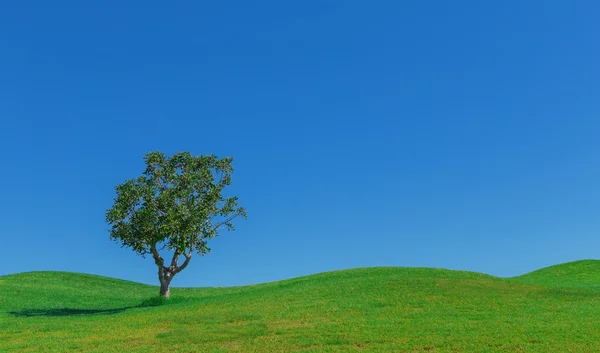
[(165, 287)]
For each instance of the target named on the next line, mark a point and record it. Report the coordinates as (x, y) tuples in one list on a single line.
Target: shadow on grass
[(56, 312), (66, 312)]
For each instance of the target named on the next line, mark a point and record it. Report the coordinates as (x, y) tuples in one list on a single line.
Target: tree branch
[(226, 221), (163, 247), (159, 261), (175, 259), (132, 213), (188, 257)]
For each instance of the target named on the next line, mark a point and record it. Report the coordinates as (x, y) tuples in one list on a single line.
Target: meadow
[(382, 309)]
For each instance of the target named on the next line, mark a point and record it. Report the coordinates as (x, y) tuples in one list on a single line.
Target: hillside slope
[(583, 274), (359, 310)]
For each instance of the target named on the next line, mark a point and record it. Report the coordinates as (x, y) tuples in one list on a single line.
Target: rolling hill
[(384, 309)]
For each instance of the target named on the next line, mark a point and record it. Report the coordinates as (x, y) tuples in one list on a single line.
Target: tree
[(175, 205)]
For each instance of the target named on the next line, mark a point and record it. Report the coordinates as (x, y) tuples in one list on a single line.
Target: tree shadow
[(57, 312), (66, 312)]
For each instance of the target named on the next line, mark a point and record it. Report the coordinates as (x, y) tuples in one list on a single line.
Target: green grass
[(556, 309)]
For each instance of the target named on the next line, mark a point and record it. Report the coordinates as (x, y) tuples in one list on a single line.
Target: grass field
[(556, 309)]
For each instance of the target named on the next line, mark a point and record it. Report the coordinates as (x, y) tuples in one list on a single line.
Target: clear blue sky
[(462, 135)]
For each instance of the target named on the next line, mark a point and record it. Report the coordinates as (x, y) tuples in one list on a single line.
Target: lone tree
[(176, 205)]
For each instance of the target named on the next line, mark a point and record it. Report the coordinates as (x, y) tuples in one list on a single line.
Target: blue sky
[(462, 135)]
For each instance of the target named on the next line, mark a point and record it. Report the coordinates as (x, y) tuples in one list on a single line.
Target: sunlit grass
[(556, 309)]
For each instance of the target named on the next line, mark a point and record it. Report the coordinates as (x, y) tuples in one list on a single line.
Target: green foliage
[(177, 204), (359, 310)]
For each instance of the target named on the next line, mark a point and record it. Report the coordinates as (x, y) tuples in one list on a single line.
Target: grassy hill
[(556, 309)]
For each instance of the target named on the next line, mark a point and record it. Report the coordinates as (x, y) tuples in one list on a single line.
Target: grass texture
[(383, 309)]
